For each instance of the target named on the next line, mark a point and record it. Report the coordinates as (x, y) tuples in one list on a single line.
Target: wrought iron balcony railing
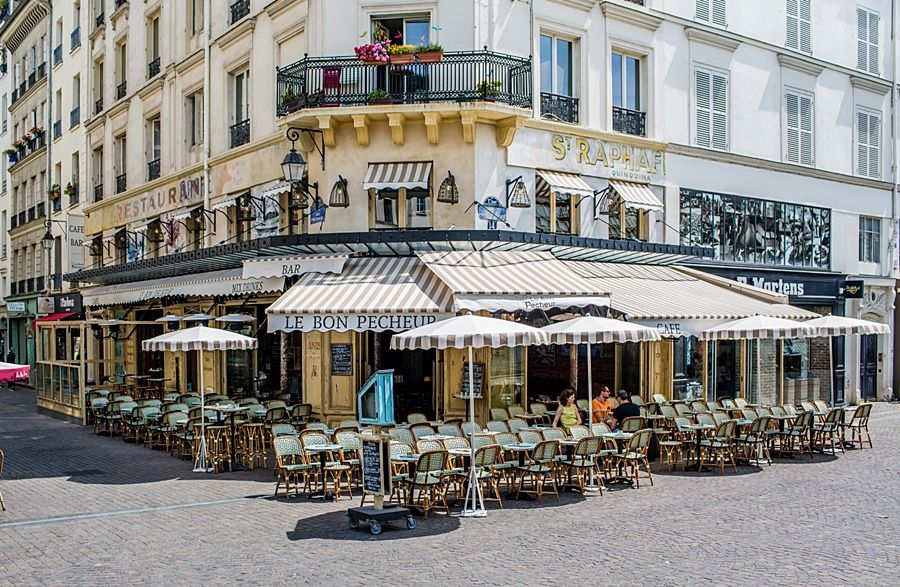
[(98, 106), (632, 122), (98, 192), (121, 90), (57, 129), (240, 133), (121, 183), (153, 68), (239, 9), (75, 39), (100, 20), (460, 76), (75, 116), (57, 55), (153, 170), (559, 107)]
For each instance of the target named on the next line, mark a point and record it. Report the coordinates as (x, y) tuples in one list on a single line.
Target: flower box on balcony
[(380, 97), (402, 59), (431, 56)]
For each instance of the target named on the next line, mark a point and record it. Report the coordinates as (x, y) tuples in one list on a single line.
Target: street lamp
[(48, 240), (518, 196)]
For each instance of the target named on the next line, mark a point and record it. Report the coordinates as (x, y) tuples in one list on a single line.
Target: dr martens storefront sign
[(599, 156)]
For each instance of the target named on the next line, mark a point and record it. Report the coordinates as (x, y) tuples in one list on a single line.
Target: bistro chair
[(699, 406), (668, 412), (248, 401), (515, 424), (350, 450), (416, 418), (820, 405), (728, 403), (827, 431), (499, 414), (290, 465), (634, 455), (754, 443), (740, 402), (275, 403), (486, 459), (858, 424), (402, 435), (530, 437), (318, 426), (98, 411), (637, 400), (764, 411), (540, 410), (599, 429), (253, 443), (515, 411), (749, 414), (584, 460), (469, 427), (300, 414), (450, 430), (282, 429), (796, 438), (423, 446), (631, 424), (682, 409), (497, 426), (718, 447), (483, 440), (430, 482), (2, 506), (778, 411), (582, 404), (789, 410), (348, 424), (660, 399), (713, 405), (579, 431), (554, 434), (539, 470), (420, 430)]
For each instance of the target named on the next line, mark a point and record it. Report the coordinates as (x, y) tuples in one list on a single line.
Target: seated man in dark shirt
[(625, 409)]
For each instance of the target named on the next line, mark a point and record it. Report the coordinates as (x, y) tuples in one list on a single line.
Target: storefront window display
[(507, 379), (687, 381)]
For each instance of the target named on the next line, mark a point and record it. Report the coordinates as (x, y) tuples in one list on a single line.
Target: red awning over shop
[(53, 317)]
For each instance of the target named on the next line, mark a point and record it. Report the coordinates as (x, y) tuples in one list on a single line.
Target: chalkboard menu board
[(341, 359), (478, 372), (376, 466)]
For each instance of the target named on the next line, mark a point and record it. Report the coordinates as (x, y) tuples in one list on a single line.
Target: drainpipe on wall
[(207, 236), (895, 221), (48, 128)]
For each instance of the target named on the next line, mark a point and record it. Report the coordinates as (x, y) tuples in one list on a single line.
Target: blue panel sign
[(317, 214), (492, 211)]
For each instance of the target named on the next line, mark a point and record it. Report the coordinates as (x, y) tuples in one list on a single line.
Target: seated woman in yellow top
[(567, 412)]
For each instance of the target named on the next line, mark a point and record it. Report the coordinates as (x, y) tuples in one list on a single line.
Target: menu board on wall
[(341, 359), (478, 373)]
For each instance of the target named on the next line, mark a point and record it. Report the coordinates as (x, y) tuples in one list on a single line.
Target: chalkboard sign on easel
[(341, 359), (376, 465), (478, 372)]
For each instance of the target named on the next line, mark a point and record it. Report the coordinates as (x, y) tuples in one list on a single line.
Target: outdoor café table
[(323, 449), (438, 437), (698, 433), (435, 423), (619, 437), (230, 411), (535, 428), (521, 448)]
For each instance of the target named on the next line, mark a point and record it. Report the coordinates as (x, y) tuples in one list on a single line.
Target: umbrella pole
[(831, 371), (473, 491), (759, 448), (592, 485), (201, 459)]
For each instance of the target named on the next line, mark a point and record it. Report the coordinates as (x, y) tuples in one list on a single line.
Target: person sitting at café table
[(601, 407), (567, 412), (625, 409)]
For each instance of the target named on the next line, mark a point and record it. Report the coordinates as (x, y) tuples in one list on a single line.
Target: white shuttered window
[(799, 25), (799, 128), (711, 11), (868, 144), (711, 98), (867, 40)]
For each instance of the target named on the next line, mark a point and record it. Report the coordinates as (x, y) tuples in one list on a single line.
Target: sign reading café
[(601, 155)]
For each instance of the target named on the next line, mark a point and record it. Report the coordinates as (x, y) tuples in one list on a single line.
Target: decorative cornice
[(800, 64), (872, 85), (631, 14), (278, 6), (21, 23), (23, 99), (121, 105), (712, 39), (189, 62), (235, 33), (151, 87), (582, 4)]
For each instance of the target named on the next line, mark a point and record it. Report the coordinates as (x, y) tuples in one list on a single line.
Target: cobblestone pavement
[(88, 510)]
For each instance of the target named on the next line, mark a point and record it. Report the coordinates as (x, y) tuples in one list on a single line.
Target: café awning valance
[(408, 174)]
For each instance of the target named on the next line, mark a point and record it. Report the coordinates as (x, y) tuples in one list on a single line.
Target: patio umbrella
[(831, 326), (597, 330), (758, 328), (10, 372), (469, 331), (200, 338)]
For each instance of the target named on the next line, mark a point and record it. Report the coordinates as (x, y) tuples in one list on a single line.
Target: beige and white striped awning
[(408, 174), (567, 183), (377, 293), (636, 195), (510, 281), (678, 302), (275, 188)]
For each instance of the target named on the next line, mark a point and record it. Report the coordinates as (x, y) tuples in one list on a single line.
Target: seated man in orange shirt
[(601, 407)]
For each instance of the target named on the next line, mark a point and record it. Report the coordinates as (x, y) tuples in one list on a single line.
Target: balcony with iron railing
[(75, 39), (75, 116), (73, 196), (120, 3), (153, 68), (121, 90), (100, 20), (460, 76), (239, 9), (121, 183), (42, 70), (57, 55), (153, 170), (98, 106), (98, 192), (239, 133), (559, 107), (632, 122), (57, 129)]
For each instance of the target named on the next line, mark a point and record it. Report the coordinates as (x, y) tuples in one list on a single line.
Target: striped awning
[(759, 327), (275, 189), (376, 293), (567, 183), (677, 302), (469, 331), (511, 281), (636, 195), (409, 175), (228, 282), (225, 202), (200, 338)]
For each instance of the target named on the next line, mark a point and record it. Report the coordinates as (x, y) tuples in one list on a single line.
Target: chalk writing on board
[(341, 359), (478, 372)]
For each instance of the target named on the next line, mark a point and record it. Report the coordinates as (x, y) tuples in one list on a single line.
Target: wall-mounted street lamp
[(517, 197), (448, 193)]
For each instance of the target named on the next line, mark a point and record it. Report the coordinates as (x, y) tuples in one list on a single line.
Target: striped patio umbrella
[(200, 338), (469, 331)]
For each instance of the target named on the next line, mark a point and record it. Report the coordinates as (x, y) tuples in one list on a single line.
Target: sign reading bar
[(341, 359), (75, 242), (350, 322)]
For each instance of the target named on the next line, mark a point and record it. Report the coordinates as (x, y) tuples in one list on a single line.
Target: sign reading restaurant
[(182, 193), (594, 154)]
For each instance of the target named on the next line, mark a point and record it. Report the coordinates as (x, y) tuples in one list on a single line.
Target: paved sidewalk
[(89, 510)]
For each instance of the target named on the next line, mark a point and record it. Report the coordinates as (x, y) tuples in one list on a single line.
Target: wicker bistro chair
[(634, 455), (808, 407), (755, 441), (631, 424), (403, 435), (718, 448), (451, 430), (764, 411), (720, 417), (682, 409), (516, 424), (98, 412), (483, 440), (420, 430), (858, 424), (578, 432), (539, 470), (300, 414), (740, 402), (789, 410), (820, 405), (469, 427), (796, 436), (499, 414), (283, 430), (778, 411), (416, 418), (584, 459), (830, 428), (713, 406), (290, 465), (671, 448), (660, 398), (497, 426), (637, 400), (553, 434), (728, 403), (350, 451), (698, 406), (486, 459), (317, 426), (430, 482), (333, 468), (530, 436), (540, 410)]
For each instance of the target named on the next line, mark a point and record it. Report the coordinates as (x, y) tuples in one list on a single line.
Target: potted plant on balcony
[(401, 54), (36, 131), (72, 189), (429, 53), (54, 192), (489, 89), (291, 100), (373, 53), (12, 154), (379, 96)]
